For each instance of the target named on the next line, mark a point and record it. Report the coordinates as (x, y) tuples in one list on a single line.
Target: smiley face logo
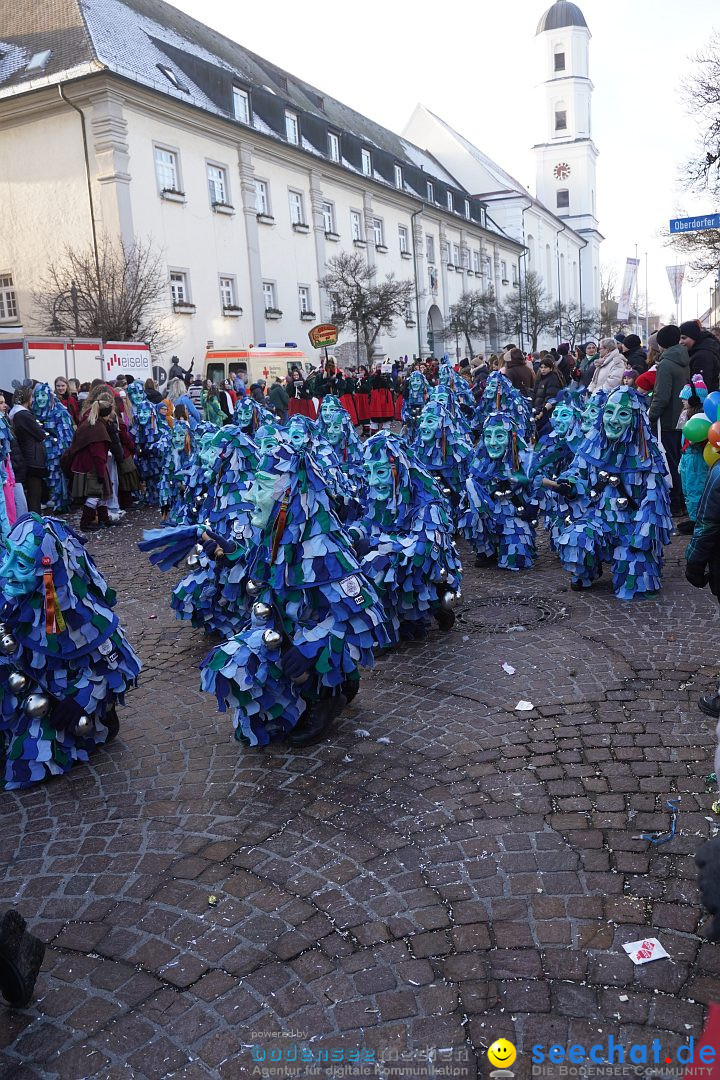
[(502, 1054)]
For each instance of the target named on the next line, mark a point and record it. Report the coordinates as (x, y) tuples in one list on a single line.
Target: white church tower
[(565, 161)]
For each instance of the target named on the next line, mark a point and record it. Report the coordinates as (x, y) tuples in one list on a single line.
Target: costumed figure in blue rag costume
[(416, 394), (64, 660), (249, 414), (443, 450), (497, 514), (303, 434), (315, 617), (552, 455), (620, 474), (58, 427), (212, 593), (152, 444), (175, 467), (195, 496), (500, 395), (406, 540)]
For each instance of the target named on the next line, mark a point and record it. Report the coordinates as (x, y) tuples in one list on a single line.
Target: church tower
[(565, 160)]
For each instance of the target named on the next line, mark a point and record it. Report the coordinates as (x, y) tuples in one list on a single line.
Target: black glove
[(566, 489), (295, 664), (696, 574)]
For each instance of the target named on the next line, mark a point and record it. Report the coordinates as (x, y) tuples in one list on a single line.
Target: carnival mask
[(41, 397), (143, 412), (267, 439), (262, 497), (561, 420), (298, 435), (244, 412), (429, 425), (136, 392), (179, 432), (18, 571), (496, 439), (327, 409), (589, 415), (334, 428), (617, 417), (381, 480)]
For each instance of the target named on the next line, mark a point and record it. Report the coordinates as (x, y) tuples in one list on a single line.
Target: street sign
[(323, 335), (695, 224)]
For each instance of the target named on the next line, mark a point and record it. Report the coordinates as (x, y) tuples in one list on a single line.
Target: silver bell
[(261, 611), (8, 644), (449, 600), (272, 639), (192, 559), (593, 493), (614, 480), (568, 520), (622, 504), (83, 726), (36, 706), (3, 628), (17, 682), (253, 587), (443, 574), (603, 477)]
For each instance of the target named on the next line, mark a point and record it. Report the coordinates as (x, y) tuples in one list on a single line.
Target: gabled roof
[(137, 38)]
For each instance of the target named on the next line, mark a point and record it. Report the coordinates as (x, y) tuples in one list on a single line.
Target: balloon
[(712, 406), (714, 434), (696, 429), (711, 455)]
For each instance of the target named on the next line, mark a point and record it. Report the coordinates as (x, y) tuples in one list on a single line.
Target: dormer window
[(398, 177), (38, 61), (450, 202), (366, 158), (174, 78), (430, 192), (333, 146), (292, 127), (241, 104)]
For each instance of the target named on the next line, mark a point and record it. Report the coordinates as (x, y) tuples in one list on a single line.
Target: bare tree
[(123, 296), (534, 309), (579, 324), (702, 250), (469, 317), (360, 302), (608, 301)]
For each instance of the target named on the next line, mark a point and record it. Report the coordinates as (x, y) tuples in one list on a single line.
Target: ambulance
[(263, 361)]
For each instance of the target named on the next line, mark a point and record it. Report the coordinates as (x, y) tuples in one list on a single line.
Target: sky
[(476, 66)]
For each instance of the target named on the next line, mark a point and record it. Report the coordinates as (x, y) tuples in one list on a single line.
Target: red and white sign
[(126, 358)]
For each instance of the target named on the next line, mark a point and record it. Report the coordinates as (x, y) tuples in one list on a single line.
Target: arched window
[(559, 58), (560, 116)]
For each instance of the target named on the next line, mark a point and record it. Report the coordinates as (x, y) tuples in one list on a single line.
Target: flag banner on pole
[(628, 288), (676, 276)]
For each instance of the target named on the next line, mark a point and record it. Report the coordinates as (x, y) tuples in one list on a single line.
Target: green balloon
[(696, 429)]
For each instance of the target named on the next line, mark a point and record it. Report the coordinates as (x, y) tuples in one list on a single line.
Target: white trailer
[(44, 358)]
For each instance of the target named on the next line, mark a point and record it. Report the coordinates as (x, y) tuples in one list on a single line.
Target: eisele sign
[(126, 358)]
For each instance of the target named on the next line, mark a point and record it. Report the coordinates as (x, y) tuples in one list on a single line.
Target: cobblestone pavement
[(446, 870)]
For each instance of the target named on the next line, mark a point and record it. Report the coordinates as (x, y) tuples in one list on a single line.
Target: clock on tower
[(562, 171)]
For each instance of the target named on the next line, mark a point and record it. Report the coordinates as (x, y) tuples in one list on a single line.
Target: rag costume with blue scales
[(152, 445), (406, 538), (64, 659), (619, 472), (177, 461), (58, 427), (497, 512), (553, 454), (500, 395), (416, 394), (312, 603), (443, 449)]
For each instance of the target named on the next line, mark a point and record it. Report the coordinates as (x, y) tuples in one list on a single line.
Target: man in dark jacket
[(257, 391), (703, 560), (279, 398), (673, 373), (31, 440), (635, 356), (704, 349)]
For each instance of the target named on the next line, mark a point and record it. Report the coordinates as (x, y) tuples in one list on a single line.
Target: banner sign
[(676, 276), (628, 288), (323, 335), (126, 358)]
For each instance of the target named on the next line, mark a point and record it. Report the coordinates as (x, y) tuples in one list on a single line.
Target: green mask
[(617, 417), (561, 420), (262, 497), (496, 439), (381, 480), (18, 568)]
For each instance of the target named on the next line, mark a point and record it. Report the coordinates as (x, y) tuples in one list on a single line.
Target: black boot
[(316, 721), (710, 705), (444, 619), (21, 955), (350, 689)]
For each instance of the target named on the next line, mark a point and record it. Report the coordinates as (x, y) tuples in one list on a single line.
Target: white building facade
[(557, 227), (246, 180)]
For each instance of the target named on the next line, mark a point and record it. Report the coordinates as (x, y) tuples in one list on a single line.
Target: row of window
[(182, 295)]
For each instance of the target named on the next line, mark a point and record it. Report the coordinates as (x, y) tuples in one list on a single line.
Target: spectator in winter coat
[(279, 398), (703, 562), (176, 394), (89, 453), (548, 384), (518, 372), (635, 356), (257, 391), (673, 373), (153, 394), (609, 367), (565, 363), (31, 440), (68, 399), (704, 350), (587, 364)]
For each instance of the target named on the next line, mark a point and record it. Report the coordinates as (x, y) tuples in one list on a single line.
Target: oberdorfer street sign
[(695, 224)]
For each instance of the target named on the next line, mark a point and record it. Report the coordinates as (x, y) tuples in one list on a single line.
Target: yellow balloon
[(711, 455)]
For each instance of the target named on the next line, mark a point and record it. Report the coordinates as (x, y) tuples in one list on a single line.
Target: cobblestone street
[(446, 870)]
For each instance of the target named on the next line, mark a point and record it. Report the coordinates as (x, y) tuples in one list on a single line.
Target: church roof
[(561, 14)]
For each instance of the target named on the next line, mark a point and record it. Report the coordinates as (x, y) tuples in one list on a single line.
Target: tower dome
[(562, 13)]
